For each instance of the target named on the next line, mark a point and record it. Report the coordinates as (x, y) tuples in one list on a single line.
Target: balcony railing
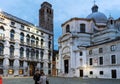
[(12, 39), (33, 45), (21, 57), (11, 56), (22, 42)]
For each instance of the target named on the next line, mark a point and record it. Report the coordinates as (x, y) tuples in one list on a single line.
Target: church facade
[(90, 47), (25, 47)]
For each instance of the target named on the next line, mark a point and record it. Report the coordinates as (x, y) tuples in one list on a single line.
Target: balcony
[(28, 43), (42, 47), (41, 60), (12, 40), (22, 42), (21, 57), (21, 67), (33, 45), (38, 46), (28, 59), (12, 56)]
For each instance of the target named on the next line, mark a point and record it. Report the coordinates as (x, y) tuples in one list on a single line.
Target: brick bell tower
[(46, 16)]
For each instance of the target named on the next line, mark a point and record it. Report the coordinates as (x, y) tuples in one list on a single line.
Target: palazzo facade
[(25, 47)]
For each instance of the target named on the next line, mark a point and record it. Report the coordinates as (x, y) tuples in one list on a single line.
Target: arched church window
[(28, 39), (11, 50), (12, 33), (21, 52), (32, 40), (42, 54), (37, 54), (82, 28), (42, 42), (49, 44), (21, 37), (67, 28), (37, 40), (1, 32), (1, 48), (32, 53), (27, 53)]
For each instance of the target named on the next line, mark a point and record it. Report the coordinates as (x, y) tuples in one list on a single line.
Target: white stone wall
[(84, 42), (6, 23)]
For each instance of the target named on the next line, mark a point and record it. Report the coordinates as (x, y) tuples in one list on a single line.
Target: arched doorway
[(32, 66)]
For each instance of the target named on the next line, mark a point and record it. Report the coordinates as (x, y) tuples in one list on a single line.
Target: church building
[(90, 47)]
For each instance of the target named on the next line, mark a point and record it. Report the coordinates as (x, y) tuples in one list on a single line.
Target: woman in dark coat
[(36, 77)]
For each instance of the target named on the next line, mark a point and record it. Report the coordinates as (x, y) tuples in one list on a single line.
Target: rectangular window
[(28, 29), (113, 47), (21, 71), (1, 19), (100, 50), (42, 33), (41, 65), (81, 53), (11, 62), (90, 52), (49, 65), (10, 71), (101, 60), (22, 26), (82, 28), (91, 61), (113, 59), (12, 23), (37, 31), (21, 63), (1, 62), (101, 72)]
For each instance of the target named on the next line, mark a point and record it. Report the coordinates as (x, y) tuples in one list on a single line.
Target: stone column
[(16, 67), (16, 61), (6, 56), (6, 66), (25, 68), (38, 66)]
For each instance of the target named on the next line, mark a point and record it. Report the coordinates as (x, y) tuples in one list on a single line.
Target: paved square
[(59, 80)]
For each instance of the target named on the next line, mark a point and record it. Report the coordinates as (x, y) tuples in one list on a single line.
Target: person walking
[(36, 76), (43, 79)]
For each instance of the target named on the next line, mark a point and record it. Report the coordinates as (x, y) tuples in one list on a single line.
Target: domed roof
[(97, 16)]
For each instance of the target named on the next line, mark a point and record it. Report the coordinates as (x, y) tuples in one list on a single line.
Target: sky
[(63, 10)]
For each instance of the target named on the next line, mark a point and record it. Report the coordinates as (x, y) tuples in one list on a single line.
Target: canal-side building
[(90, 47), (25, 47)]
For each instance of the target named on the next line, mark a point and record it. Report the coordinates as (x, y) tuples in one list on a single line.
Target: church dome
[(97, 16)]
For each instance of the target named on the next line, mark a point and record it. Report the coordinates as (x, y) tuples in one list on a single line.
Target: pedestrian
[(43, 79), (36, 76)]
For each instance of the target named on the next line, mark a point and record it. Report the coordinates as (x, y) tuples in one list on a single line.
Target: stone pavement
[(60, 80)]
